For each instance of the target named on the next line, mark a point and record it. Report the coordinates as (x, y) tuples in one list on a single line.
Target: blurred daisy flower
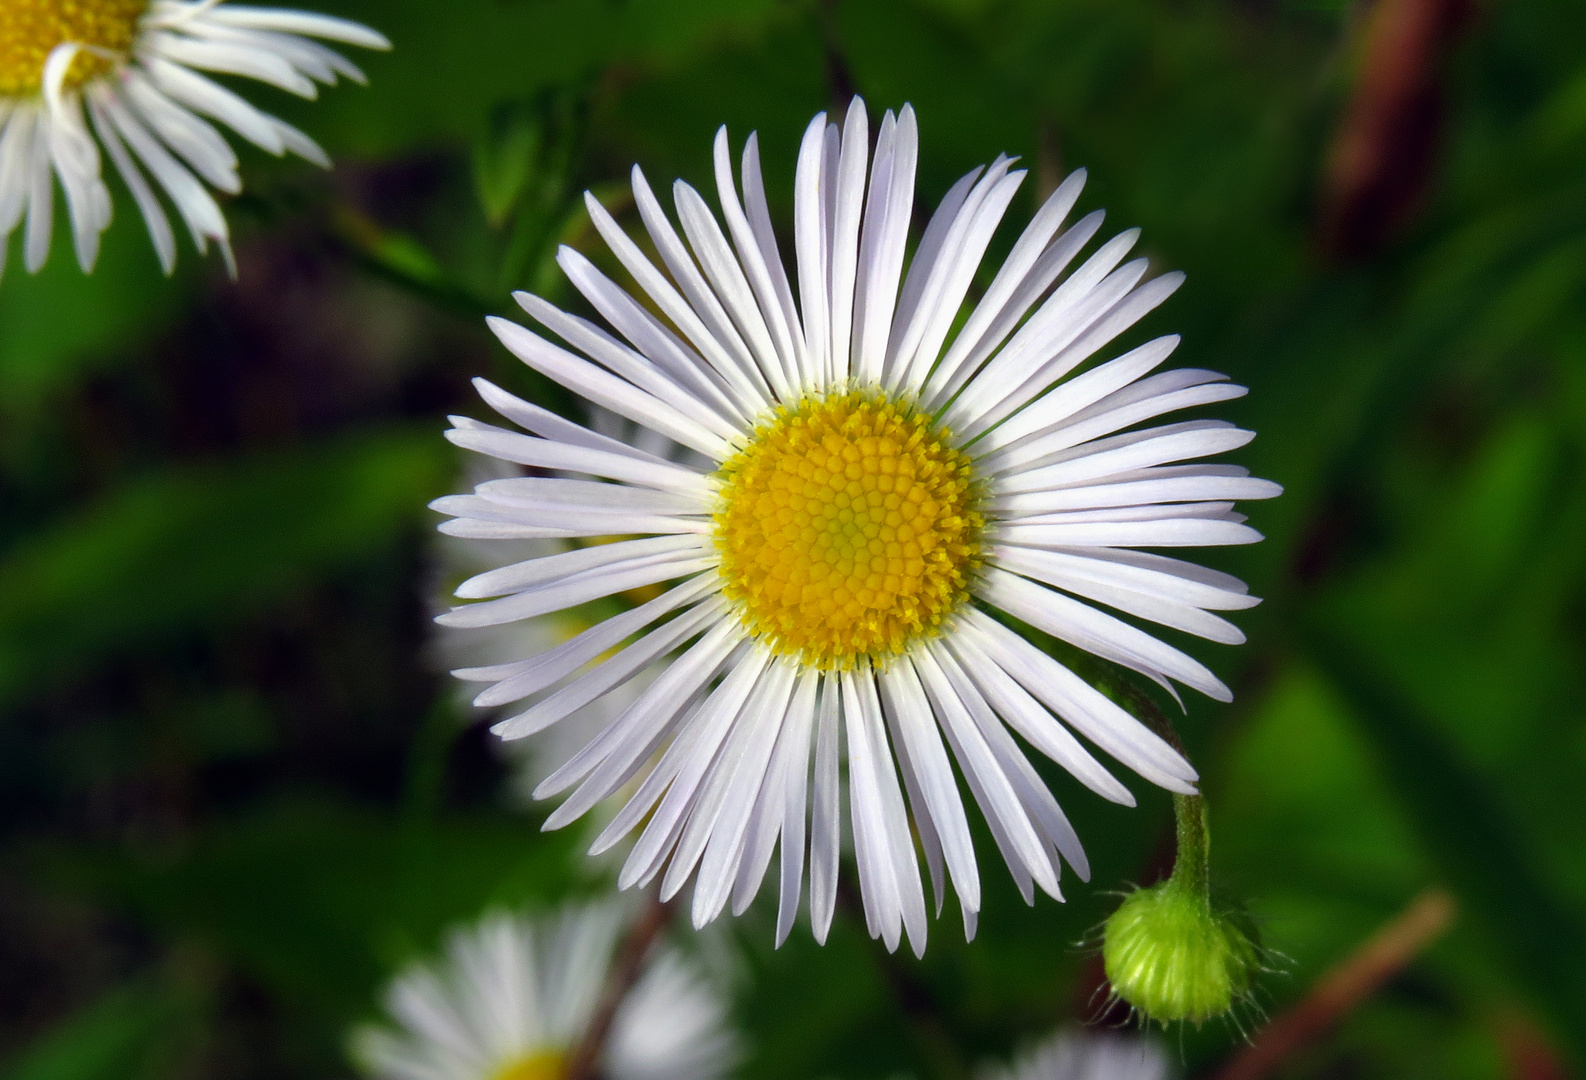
[(514, 995), (78, 76), (875, 486), (1088, 1055)]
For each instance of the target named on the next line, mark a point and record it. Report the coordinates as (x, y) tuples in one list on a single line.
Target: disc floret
[(31, 29), (847, 528)]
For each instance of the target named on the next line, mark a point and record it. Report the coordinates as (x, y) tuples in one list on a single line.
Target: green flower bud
[(1167, 952), (1170, 956)]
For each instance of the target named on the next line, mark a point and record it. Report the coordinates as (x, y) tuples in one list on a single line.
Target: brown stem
[(1346, 985), (625, 971)]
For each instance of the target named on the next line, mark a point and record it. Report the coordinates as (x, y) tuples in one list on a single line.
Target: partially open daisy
[(881, 484), (135, 65), (514, 995)]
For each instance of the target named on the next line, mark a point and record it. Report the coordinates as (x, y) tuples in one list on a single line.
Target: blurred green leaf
[(126, 1035), (1475, 846), (194, 546)]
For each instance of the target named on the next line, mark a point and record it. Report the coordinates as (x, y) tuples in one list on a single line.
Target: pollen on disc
[(847, 529), (31, 29)]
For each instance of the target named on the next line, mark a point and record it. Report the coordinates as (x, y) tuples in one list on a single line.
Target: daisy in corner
[(898, 480), (127, 77)]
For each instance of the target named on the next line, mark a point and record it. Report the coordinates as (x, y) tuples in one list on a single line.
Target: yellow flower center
[(30, 30), (847, 529), (536, 1065)]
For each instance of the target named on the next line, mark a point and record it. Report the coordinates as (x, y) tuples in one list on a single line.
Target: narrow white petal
[(41, 199), (765, 238), (1015, 271), (1180, 532), (229, 58), (849, 204), (1030, 718), (826, 812), (878, 884), (920, 267), (701, 317), (298, 22), (603, 388), (610, 674), (794, 770), (809, 241), (611, 758), (753, 261), (1032, 791), (196, 142), (998, 801), (688, 758), (210, 98), (551, 454), (1098, 333), (1059, 405), (1053, 320), (551, 665), (924, 825), (1081, 705), (962, 250), (747, 772), (1098, 633), (727, 277), (580, 589), (901, 689), (1125, 453), (552, 568), (1058, 570)]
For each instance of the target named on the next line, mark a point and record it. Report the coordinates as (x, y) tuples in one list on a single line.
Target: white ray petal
[(999, 803), (1098, 633), (1081, 705), (581, 588), (1032, 791), (1016, 271), (826, 811), (610, 674), (603, 388), (809, 236), (551, 454), (1030, 719), (900, 687)]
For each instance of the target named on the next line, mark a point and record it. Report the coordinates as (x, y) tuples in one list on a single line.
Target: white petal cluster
[(1088, 1055), (749, 751), (151, 114), (516, 989)]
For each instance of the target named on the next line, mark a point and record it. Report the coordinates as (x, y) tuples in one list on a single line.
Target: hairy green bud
[(1167, 951), (1172, 957)]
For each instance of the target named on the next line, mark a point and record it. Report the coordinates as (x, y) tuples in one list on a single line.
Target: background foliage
[(236, 794)]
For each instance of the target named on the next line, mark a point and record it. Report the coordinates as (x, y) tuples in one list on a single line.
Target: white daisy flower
[(1088, 1055), (514, 996), (879, 484), (132, 68)]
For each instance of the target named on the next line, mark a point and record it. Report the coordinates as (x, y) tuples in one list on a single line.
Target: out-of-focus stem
[(625, 971)]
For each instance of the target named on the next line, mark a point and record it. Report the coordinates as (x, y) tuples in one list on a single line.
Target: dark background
[(236, 793)]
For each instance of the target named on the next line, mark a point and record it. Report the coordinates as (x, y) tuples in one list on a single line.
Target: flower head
[(132, 69), (514, 995), (877, 486)]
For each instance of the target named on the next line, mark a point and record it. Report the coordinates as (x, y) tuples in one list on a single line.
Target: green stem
[(1192, 857)]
